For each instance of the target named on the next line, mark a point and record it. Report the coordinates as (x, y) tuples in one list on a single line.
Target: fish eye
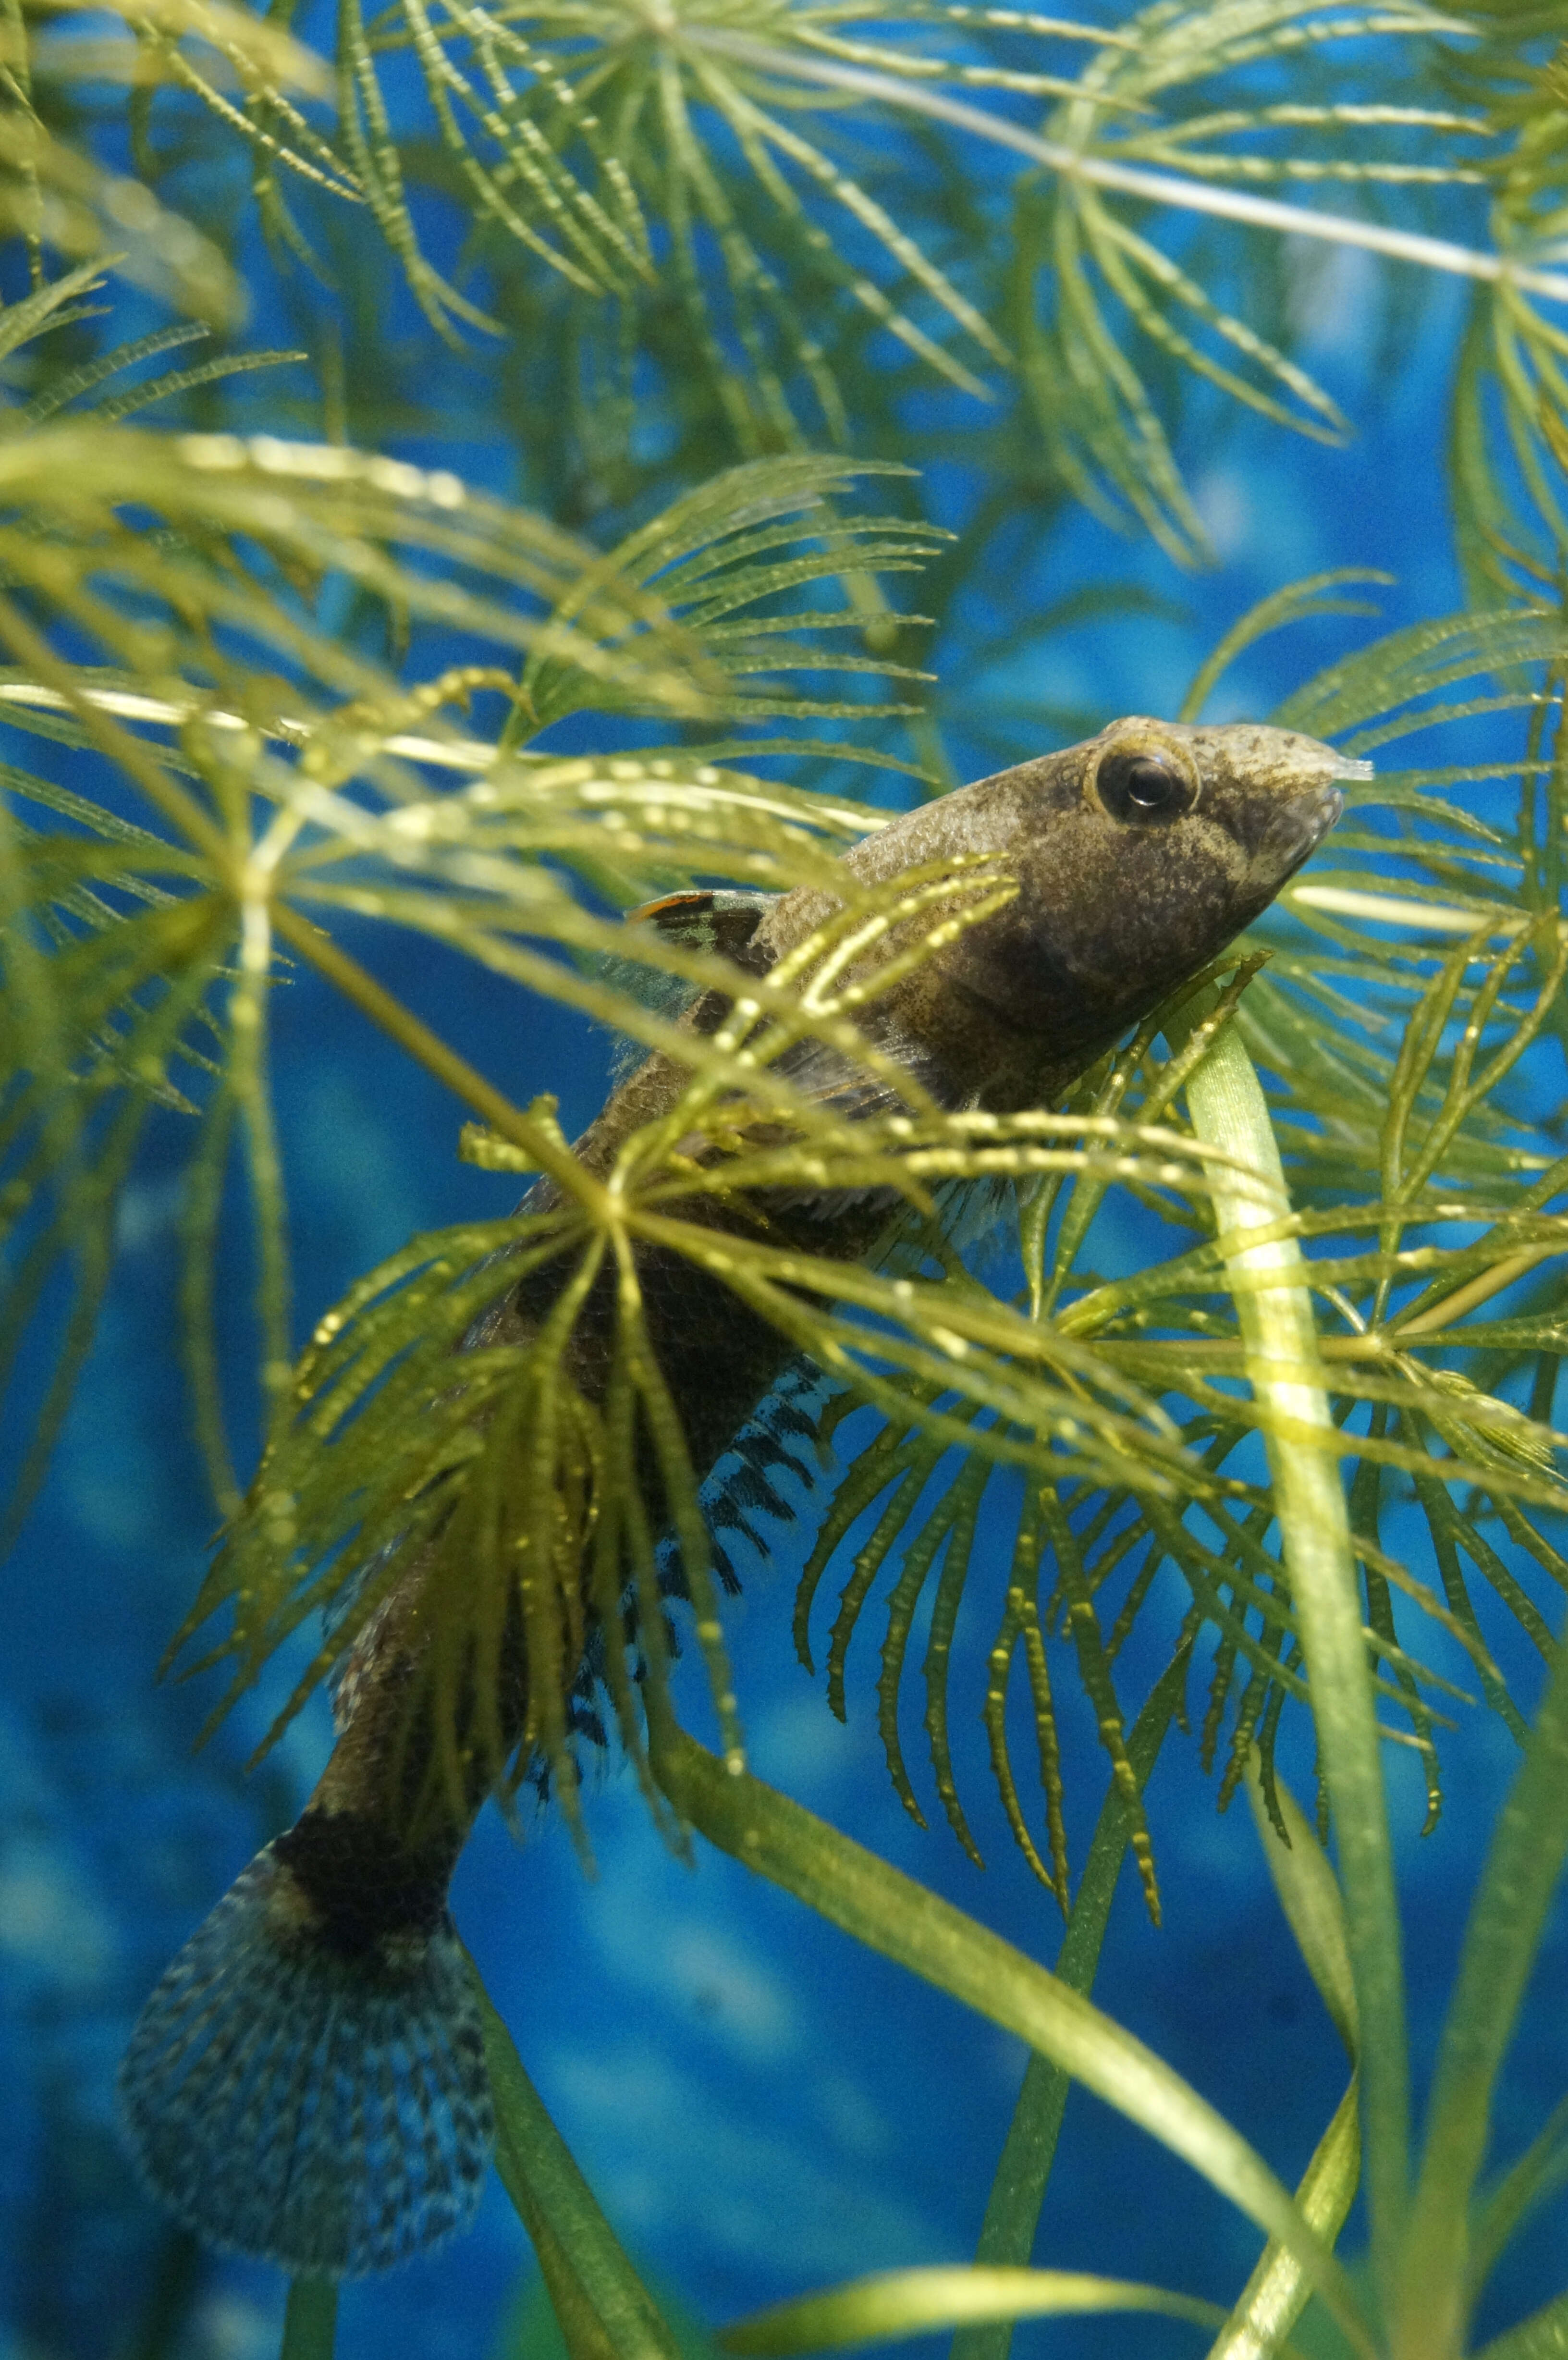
[(1139, 788)]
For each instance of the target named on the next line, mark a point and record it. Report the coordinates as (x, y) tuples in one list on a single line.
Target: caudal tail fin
[(324, 2110)]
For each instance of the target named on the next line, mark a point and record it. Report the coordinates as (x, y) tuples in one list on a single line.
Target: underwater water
[(760, 2107)]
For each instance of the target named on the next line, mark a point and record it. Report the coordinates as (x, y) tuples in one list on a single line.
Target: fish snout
[(1295, 831)]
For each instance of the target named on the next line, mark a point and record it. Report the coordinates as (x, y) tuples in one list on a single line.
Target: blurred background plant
[(593, 450)]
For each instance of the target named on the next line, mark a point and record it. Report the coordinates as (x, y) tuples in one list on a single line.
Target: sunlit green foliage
[(1386, 1061), (679, 185), (1511, 386), (276, 796), (258, 684)]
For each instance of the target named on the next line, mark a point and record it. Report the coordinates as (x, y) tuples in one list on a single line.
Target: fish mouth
[(1299, 830), (1330, 806)]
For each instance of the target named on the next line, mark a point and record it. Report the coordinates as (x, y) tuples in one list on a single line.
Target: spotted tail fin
[(325, 2110)]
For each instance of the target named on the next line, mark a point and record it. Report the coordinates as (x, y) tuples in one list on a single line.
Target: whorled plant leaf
[(1103, 311), (611, 152), (650, 164), (1082, 1571), (720, 560), (393, 1448), (252, 75), (506, 870), (56, 303), (1394, 1055), (241, 772), (1508, 440)]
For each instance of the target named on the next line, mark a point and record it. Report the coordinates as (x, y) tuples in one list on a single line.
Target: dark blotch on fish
[(307, 2082)]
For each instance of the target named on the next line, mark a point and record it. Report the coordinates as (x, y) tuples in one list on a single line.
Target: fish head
[(1137, 855), (1133, 859)]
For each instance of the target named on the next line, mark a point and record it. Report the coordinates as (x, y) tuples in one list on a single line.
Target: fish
[(307, 2082)]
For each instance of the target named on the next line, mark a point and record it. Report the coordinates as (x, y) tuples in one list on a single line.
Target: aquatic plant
[(723, 274)]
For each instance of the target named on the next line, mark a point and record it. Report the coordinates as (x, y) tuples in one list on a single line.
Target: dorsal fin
[(719, 921)]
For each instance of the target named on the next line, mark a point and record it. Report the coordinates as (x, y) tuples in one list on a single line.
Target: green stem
[(604, 2310), (177, 2277), (1276, 2294), (1228, 1111), (400, 1023), (1017, 2192), (1502, 1942), (309, 2323), (877, 1906)]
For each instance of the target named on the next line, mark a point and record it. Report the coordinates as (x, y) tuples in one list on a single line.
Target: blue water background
[(761, 2106)]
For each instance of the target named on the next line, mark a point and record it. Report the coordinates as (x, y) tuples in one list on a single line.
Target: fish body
[(307, 2081)]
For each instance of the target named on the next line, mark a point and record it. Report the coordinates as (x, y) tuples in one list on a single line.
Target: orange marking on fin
[(654, 912)]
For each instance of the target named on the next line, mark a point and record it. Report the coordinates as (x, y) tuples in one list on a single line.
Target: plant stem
[(604, 2310), (1017, 2192), (1502, 1944), (310, 2322), (1153, 188), (880, 1907), (1228, 1111), (385, 1010)]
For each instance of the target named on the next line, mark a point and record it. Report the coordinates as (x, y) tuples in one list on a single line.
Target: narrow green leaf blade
[(1309, 1896), (1012, 2211), (1277, 2293), (1542, 2337), (915, 2302), (1277, 1326), (891, 1913), (309, 2321), (605, 2311), (1501, 1942)]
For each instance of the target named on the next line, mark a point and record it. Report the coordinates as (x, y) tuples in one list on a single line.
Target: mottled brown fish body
[(1111, 912), (1135, 857)]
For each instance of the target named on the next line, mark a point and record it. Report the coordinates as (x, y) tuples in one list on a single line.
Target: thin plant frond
[(282, 775)]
